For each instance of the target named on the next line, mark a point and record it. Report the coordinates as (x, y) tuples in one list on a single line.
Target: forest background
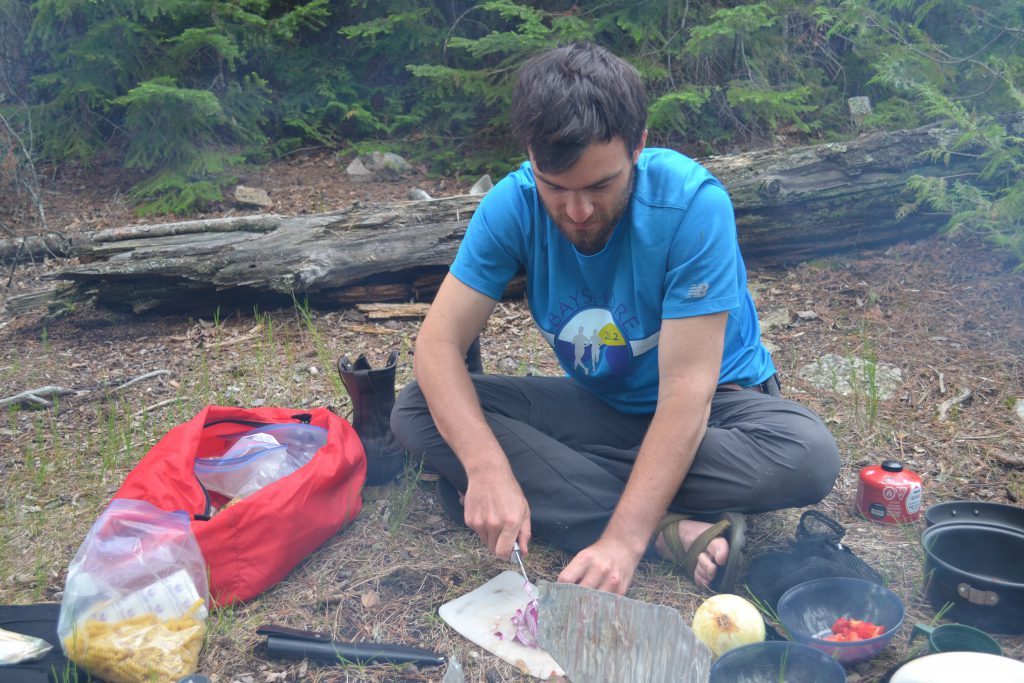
[(186, 92)]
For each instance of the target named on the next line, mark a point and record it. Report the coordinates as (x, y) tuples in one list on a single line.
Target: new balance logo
[(697, 291)]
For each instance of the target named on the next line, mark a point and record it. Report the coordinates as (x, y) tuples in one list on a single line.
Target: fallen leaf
[(370, 599)]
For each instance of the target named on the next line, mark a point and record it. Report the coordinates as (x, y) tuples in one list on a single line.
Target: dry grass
[(932, 309)]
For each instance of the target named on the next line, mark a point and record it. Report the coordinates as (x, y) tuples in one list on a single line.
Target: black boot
[(474, 362), (373, 397)]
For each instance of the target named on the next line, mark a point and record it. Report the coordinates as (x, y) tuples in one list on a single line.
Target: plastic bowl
[(808, 610), (775, 661)]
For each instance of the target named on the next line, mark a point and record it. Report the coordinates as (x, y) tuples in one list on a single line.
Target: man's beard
[(600, 225)]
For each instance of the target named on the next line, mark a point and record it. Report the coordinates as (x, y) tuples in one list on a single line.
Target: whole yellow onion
[(726, 621)]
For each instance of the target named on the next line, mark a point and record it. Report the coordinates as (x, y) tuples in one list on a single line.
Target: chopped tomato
[(849, 630)]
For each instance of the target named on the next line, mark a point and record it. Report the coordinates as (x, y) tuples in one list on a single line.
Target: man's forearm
[(664, 459)]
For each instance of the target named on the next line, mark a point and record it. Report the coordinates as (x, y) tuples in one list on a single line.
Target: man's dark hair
[(570, 97)]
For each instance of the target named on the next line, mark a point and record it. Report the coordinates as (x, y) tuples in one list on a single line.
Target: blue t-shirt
[(673, 254)]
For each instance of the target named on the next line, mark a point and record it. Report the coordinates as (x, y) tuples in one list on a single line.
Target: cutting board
[(483, 613)]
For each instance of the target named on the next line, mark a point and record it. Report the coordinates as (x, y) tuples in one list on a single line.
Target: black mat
[(39, 621)]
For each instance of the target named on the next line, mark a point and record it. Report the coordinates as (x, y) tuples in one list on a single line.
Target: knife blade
[(517, 555)]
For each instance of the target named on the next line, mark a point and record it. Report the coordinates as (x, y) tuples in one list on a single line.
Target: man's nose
[(579, 208)]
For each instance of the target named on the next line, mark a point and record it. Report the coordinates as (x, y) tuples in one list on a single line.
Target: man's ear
[(640, 147)]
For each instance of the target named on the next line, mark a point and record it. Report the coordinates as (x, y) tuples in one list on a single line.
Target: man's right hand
[(496, 509)]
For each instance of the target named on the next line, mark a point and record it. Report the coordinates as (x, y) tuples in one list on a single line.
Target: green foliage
[(185, 90), (958, 62)]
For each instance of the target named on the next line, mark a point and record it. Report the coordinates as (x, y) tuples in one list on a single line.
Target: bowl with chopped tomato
[(849, 619)]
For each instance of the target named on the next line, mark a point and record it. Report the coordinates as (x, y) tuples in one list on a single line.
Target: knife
[(297, 644), (517, 555)]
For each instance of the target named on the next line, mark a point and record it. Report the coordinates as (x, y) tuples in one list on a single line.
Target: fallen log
[(791, 204)]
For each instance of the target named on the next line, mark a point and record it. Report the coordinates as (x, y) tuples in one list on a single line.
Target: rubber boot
[(474, 362), (373, 397)]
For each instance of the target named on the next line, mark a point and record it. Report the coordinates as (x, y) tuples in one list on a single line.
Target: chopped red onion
[(525, 621)]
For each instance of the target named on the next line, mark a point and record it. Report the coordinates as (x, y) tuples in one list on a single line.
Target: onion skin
[(726, 621)]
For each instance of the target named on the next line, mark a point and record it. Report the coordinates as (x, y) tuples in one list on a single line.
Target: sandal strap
[(700, 544), (675, 546)]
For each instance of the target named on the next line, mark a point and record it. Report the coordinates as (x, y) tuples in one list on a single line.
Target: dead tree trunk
[(791, 204)]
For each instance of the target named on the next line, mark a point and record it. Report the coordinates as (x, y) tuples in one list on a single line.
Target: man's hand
[(496, 509), (608, 565)]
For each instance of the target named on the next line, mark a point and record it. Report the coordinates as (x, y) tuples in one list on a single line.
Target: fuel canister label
[(913, 503)]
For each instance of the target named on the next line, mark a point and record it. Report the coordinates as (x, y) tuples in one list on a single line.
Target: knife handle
[(292, 643)]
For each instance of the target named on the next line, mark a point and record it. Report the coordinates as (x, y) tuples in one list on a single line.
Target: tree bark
[(791, 205)]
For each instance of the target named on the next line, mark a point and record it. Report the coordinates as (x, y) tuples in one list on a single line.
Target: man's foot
[(701, 549), (714, 556)]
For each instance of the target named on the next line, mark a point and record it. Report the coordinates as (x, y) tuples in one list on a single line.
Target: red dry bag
[(251, 545)]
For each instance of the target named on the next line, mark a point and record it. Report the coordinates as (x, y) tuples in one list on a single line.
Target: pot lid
[(956, 667)]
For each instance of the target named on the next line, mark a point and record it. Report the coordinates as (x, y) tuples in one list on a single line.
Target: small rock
[(482, 186), (253, 196), (845, 375), (778, 318), (1020, 409), (417, 195), (386, 164), (357, 171), (508, 366), (860, 109), (314, 370), (806, 316)]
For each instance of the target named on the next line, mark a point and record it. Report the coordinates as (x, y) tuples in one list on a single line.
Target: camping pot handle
[(976, 596)]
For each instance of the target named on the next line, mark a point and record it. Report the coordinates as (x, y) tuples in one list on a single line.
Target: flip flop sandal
[(731, 522)]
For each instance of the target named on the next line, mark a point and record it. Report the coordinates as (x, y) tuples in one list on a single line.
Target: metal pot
[(960, 511), (978, 568)]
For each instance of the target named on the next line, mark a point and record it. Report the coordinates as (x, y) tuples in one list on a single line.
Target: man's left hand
[(607, 566)]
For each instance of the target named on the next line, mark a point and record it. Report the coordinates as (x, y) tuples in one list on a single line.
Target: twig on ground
[(36, 396), (139, 378), (1007, 459), (156, 406), (39, 395), (230, 342), (14, 263), (949, 403)]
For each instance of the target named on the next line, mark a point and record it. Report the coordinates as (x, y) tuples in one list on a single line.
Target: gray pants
[(572, 453)]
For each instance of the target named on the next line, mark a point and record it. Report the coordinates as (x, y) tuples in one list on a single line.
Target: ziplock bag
[(134, 608), (260, 457)]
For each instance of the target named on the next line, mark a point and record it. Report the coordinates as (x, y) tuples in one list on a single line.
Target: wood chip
[(393, 311)]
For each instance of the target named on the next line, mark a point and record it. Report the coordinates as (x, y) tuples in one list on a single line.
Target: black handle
[(292, 643)]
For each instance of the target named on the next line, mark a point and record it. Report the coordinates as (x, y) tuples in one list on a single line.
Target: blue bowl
[(808, 610), (775, 662)]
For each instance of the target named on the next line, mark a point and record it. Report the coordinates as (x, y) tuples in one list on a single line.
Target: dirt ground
[(948, 315)]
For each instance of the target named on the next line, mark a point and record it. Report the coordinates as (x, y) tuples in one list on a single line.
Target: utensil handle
[(920, 630), (338, 652)]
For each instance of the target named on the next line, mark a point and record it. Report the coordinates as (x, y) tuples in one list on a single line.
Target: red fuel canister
[(889, 494)]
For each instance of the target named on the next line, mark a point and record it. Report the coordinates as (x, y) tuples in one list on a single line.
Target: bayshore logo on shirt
[(590, 344)]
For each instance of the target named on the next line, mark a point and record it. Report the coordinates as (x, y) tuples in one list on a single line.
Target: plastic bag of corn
[(134, 608)]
